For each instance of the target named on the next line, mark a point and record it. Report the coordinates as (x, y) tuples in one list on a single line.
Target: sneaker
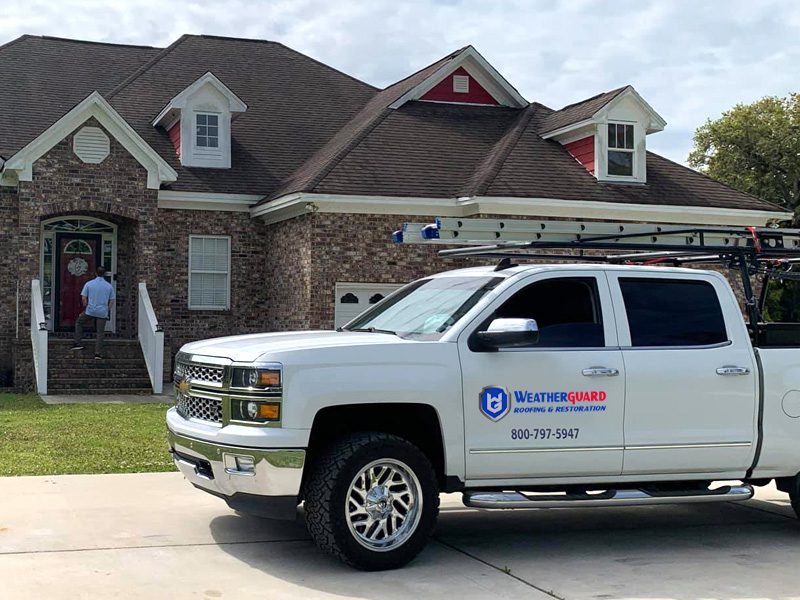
[(77, 347), (97, 357)]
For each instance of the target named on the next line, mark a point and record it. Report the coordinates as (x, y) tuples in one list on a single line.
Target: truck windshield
[(425, 309)]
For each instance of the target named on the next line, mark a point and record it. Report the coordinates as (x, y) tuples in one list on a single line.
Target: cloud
[(690, 60)]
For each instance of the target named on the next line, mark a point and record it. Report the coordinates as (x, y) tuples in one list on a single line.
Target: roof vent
[(461, 84), (91, 145)]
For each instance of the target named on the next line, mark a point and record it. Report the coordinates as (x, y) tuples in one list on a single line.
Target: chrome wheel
[(384, 505)]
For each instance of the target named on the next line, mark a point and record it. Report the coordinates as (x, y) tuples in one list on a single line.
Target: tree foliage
[(755, 148)]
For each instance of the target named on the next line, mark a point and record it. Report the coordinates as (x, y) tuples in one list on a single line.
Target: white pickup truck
[(528, 386)]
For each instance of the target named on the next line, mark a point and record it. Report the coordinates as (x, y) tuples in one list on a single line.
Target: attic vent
[(461, 84), (91, 145)]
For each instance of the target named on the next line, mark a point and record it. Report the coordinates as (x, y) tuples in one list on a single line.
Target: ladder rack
[(674, 244)]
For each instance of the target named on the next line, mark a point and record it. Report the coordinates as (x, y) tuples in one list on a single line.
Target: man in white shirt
[(97, 298)]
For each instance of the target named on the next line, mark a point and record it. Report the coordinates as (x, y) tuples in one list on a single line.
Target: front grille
[(199, 373), (194, 407)]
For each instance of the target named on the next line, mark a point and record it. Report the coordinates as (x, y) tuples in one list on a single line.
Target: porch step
[(103, 392), (121, 370)]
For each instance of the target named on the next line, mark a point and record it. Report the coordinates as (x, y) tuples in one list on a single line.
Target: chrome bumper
[(270, 488)]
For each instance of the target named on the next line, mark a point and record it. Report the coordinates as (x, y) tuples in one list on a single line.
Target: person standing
[(97, 298)]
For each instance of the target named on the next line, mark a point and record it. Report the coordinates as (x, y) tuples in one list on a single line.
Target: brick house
[(249, 187)]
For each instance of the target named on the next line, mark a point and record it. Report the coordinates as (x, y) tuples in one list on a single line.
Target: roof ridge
[(24, 36), (615, 91), (496, 158), (351, 145), (146, 66), (330, 68), (718, 182), (441, 60), (76, 41)]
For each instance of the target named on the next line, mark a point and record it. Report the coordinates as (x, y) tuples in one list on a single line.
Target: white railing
[(39, 337), (151, 339)]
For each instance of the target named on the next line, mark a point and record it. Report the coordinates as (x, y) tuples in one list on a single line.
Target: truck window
[(781, 301), (670, 312), (567, 311)]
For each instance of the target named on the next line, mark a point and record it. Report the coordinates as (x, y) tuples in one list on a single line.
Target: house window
[(620, 149), (207, 130), (209, 272)]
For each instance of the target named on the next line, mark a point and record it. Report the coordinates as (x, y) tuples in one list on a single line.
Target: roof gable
[(94, 105), (478, 67), (235, 104)]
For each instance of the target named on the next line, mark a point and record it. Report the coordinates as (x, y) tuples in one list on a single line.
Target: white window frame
[(631, 151), (207, 150), (227, 306)]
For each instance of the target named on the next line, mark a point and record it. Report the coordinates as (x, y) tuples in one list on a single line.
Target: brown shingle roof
[(311, 128), (579, 111), (44, 77), (295, 106)]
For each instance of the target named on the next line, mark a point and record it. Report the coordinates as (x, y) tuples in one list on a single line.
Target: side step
[(489, 499)]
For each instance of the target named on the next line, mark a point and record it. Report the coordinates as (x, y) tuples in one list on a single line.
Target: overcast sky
[(690, 59)]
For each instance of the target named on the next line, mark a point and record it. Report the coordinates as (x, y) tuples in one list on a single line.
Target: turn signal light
[(269, 378), (271, 412)]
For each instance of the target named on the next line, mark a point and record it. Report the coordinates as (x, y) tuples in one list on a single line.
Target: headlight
[(256, 378), (255, 411)]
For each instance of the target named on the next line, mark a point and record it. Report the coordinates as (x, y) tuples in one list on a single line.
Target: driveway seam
[(505, 571), (144, 547), (763, 510)]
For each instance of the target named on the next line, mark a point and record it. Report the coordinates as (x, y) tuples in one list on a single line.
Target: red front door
[(77, 258)]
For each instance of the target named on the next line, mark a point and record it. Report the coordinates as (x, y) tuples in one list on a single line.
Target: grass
[(41, 439)]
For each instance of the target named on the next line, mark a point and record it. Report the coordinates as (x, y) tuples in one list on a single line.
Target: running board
[(610, 498)]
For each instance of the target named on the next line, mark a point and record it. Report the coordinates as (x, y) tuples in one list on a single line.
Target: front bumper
[(264, 482)]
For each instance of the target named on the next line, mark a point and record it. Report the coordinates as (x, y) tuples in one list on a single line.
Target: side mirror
[(510, 333)]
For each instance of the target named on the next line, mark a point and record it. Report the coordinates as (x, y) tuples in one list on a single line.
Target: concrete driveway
[(154, 536)]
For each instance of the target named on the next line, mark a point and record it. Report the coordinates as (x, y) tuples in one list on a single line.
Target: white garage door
[(354, 298)]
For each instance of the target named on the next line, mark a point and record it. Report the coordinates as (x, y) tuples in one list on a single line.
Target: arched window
[(375, 298), (349, 298), (78, 247)]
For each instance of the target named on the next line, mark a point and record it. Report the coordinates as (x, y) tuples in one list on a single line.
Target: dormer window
[(198, 123), (620, 150), (207, 130)]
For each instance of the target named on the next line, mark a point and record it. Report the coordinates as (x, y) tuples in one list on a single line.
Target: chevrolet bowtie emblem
[(183, 385)]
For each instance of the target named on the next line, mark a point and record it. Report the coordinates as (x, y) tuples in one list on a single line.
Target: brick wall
[(250, 309), (8, 282)]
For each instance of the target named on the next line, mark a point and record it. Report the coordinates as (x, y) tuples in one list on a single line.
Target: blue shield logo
[(494, 402)]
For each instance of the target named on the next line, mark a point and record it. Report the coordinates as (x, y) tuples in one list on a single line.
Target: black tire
[(328, 488)]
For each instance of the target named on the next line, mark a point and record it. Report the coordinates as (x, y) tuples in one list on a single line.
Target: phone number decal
[(546, 433)]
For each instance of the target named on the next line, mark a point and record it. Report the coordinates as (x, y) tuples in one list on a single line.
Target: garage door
[(354, 298)]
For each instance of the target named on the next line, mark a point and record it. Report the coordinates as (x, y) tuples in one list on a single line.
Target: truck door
[(690, 375), (554, 409)]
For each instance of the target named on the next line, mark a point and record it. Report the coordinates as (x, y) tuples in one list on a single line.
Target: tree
[(755, 148)]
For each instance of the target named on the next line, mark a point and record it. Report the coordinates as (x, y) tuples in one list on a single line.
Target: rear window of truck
[(672, 312)]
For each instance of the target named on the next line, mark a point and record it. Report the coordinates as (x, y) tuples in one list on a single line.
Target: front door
[(555, 409), (691, 378), (77, 257)]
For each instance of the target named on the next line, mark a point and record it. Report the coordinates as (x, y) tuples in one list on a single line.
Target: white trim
[(566, 129), (94, 105), (228, 273), (493, 82), (235, 104), (293, 205), (207, 201)]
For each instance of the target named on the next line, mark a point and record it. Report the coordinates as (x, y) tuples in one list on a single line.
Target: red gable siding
[(443, 91), (175, 137), (583, 151)]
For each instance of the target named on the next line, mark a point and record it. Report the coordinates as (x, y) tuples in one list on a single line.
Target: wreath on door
[(77, 266)]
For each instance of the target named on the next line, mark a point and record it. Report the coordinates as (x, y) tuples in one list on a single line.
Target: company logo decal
[(494, 402), (582, 401)]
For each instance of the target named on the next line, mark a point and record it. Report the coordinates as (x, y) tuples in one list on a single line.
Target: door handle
[(600, 372), (732, 370)]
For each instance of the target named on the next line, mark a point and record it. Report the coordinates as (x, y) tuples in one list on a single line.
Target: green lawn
[(39, 439)]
